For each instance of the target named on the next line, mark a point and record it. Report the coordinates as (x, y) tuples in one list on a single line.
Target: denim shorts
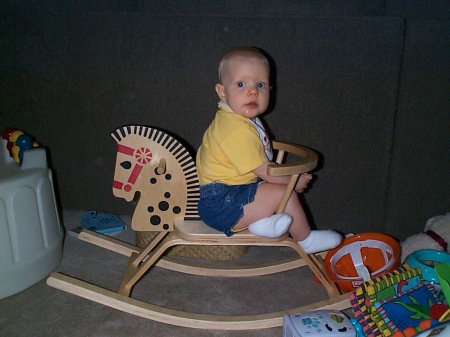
[(221, 206)]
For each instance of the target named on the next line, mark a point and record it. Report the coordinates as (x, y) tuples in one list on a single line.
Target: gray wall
[(365, 83)]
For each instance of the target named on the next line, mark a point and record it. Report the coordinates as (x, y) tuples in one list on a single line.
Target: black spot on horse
[(163, 206), (155, 220)]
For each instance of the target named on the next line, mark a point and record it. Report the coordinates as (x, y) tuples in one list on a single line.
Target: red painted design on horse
[(135, 174), (143, 155), (125, 150), (117, 184)]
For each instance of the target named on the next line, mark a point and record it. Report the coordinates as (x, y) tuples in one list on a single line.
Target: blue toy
[(426, 260), (102, 222)]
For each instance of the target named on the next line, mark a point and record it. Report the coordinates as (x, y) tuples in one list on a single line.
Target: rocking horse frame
[(154, 156)]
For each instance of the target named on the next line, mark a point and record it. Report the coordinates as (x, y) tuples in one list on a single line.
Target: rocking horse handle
[(307, 162), (161, 169)]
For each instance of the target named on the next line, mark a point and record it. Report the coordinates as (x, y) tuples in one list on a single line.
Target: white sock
[(271, 227), (318, 241)]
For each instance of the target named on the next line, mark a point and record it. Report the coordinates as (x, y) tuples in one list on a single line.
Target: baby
[(236, 193)]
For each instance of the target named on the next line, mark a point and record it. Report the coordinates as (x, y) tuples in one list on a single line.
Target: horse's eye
[(126, 165)]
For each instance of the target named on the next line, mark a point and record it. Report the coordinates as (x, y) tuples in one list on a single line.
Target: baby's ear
[(220, 89)]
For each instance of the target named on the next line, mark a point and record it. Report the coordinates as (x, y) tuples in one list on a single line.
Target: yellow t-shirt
[(230, 151)]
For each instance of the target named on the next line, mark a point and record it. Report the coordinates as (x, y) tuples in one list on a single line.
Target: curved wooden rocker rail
[(195, 232)]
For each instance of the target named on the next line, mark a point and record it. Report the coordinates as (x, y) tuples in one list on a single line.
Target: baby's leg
[(266, 202), (271, 227), (320, 240)]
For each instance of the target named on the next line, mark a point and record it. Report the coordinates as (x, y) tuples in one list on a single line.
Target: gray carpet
[(43, 311)]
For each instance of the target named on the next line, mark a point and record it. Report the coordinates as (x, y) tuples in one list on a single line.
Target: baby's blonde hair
[(241, 52)]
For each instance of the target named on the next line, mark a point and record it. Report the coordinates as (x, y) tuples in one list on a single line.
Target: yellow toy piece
[(14, 135), (15, 153)]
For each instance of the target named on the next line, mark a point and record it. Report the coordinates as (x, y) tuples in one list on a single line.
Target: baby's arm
[(302, 183)]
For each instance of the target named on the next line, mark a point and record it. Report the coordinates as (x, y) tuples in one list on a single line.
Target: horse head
[(158, 171)]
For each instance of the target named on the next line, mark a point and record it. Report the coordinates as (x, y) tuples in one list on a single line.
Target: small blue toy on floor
[(102, 223)]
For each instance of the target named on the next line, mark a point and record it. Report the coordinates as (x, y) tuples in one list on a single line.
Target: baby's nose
[(253, 91)]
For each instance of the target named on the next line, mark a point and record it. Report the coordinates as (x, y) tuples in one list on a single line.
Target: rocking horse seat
[(197, 230)]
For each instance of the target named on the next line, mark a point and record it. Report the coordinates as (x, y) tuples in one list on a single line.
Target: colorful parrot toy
[(18, 142)]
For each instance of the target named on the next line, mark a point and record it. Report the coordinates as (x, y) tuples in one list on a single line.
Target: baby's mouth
[(252, 105)]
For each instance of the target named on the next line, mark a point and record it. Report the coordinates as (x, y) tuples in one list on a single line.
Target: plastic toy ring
[(426, 259)]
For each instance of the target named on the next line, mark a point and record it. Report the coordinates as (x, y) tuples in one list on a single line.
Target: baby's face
[(245, 86)]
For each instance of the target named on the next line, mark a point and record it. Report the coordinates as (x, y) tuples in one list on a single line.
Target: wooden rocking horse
[(162, 170)]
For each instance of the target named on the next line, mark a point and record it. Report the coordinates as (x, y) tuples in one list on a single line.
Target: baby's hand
[(303, 182)]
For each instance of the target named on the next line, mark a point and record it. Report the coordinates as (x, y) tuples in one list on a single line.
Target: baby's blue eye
[(240, 84), (261, 85)]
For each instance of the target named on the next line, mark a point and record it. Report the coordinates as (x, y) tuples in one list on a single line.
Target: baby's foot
[(271, 227), (320, 240), (303, 182)]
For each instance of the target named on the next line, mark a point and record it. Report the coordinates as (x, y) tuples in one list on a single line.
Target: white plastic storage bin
[(31, 235)]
